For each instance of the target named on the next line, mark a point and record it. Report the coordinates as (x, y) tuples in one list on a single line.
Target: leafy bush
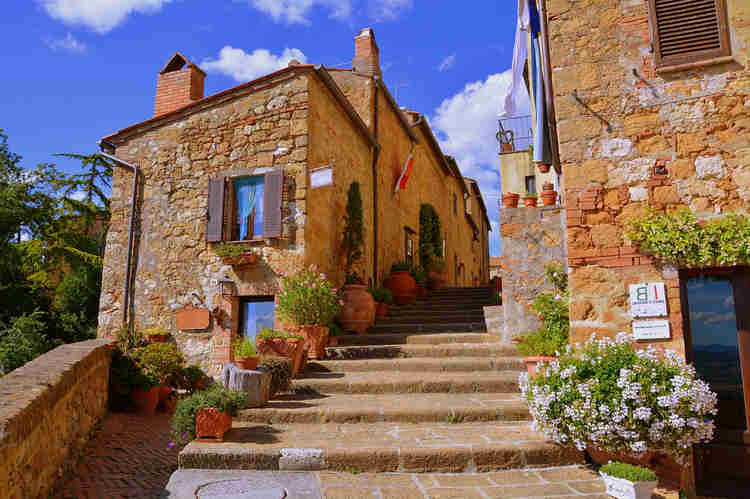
[(183, 421), (353, 226), (436, 264), (381, 294), (552, 309), (269, 334), (156, 331), (617, 398), (430, 235), (678, 238), (334, 330), (352, 278), (420, 275), (160, 360), (281, 372), (128, 374), (78, 291), (193, 374), (245, 348), (22, 341), (629, 472), (308, 299), (127, 339), (400, 267)]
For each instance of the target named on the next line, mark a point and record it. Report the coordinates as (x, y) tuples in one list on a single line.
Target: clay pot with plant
[(510, 200), (383, 298), (436, 273), (401, 284), (206, 415), (530, 200), (420, 275), (194, 378), (236, 254), (358, 307), (334, 333), (270, 342), (306, 304), (156, 335), (544, 167), (549, 195), (245, 354), (163, 362)]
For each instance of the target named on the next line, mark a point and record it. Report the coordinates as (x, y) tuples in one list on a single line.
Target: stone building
[(652, 106), (266, 166)]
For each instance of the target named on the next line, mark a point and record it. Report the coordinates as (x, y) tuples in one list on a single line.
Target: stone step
[(412, 408), (416, 327), (432, 317), (378, 447), (427, 338), (411, 350), (416, 364), (394, 382)]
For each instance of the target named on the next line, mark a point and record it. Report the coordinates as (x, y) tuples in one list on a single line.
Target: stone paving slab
[(189, 484), (417, 364), (410, 408), (394, 382), (444, 349), (425, 338), (379, 447)]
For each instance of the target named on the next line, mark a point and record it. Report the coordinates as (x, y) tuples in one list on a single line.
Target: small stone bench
[(257, 384)]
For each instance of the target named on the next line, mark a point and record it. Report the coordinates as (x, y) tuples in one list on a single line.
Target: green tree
[(430, 235), (353, 228)]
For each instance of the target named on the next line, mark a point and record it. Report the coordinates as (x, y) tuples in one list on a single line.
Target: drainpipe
[(375, 155), (128, 276)]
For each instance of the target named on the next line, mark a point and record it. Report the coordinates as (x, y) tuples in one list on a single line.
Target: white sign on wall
[(648, 300), (651, 330), (321, 177)]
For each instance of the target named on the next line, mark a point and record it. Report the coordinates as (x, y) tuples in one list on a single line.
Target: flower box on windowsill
[(244, 259), (625, 489)]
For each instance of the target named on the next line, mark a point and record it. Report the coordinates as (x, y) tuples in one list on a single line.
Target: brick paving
[(129, 456)]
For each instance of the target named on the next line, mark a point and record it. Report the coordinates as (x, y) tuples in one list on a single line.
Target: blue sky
[(76, 70)]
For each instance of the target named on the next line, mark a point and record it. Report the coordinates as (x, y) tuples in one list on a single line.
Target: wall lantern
[(228, 287)]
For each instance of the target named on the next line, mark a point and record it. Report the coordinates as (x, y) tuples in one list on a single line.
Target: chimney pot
[(177, 87), (366, 53)]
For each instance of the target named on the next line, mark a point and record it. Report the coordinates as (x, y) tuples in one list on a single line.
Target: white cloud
[(388, 10), (67, 44), (100, 15), (245, 67), (466, 124), (78, 196), (447, 63), (298, 11)]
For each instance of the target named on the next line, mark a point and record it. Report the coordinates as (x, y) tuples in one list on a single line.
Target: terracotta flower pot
[(316, 339), (157, 338), (531, 364), (248, 363), (145, 401), (381, 310), (211, 425), (421, 291), (529, 202), (402, 286), (510, 200), (549, 198), (435, 281), (358, 312), (246, 259), (291, 348), (333, 341), (164, 392), (543, 167), (170, 405), (506, 147)]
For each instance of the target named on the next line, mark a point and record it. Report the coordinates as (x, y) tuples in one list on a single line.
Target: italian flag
[(404, 178)]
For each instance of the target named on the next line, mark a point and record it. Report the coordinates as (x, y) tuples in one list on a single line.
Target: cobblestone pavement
[(128, 457)]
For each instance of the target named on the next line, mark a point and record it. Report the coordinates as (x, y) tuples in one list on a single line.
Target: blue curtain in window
[(257, 316), (249, 190)]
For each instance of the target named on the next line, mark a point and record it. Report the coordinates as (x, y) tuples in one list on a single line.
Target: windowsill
[(697, 64), (245, 241)]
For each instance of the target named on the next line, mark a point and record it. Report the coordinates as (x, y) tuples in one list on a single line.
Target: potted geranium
[(245, 354), (206, 415), (162, 361), (383, 298), (307, 303), (552, 309), (626, 481), (281, 372), (613, 397), (510, 200), (282, 344), (156, 335), (529, 200), (358, 307)]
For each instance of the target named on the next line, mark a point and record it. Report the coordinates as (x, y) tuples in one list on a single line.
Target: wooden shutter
[(273, 184), (215, 221), (686, 31)]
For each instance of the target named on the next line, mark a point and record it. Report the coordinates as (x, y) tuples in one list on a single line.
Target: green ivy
[(680, 239), (552, 308), (629, 472)]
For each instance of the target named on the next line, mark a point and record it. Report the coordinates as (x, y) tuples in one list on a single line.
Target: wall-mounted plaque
[(648, 300), (651, 330)]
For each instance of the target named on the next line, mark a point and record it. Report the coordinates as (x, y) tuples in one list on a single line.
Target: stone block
[(257, 384), (579, 128), (639, 123)]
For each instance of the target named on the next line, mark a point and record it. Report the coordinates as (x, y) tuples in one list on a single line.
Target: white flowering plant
[(615, 397)]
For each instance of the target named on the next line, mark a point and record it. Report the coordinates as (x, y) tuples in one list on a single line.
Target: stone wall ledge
[(42, 383)]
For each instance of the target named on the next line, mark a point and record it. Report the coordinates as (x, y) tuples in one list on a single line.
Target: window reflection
[(256, 315)]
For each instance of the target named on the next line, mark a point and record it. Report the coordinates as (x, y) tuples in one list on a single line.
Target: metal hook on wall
[(594, 113)]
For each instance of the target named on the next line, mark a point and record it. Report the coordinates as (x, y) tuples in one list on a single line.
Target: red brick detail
[(178, 88)]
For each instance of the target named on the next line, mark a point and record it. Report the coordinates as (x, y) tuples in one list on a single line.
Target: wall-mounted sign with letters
[(321, 177), (651, 330), (648, 300)]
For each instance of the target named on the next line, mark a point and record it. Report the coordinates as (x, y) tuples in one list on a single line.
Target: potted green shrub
[(194, 378), (281, 372), (420, 276), (383, 298), (145, 392), (510, 200), (271, 342), (236, 254), (552, 309), (130, 384), (401, 284), (529, 200), (307, 303), (549, 194), (357, 306), (245, 354), (435, 272), (156, 335), (161, 361), (626, 481), (334, 333), (206, 415)]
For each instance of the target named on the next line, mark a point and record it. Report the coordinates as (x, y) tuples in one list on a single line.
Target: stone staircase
[(426, 391)]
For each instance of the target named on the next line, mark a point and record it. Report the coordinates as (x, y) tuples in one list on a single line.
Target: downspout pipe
[(131, 229), (375, 156)]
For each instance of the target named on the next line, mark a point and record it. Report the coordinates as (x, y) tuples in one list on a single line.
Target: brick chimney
[(177, 87), (366, 53)]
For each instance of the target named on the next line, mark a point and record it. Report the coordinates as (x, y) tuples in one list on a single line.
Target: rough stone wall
[(692, 125), (531, 238), (48, 409), (176, 267), (335, 142)]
